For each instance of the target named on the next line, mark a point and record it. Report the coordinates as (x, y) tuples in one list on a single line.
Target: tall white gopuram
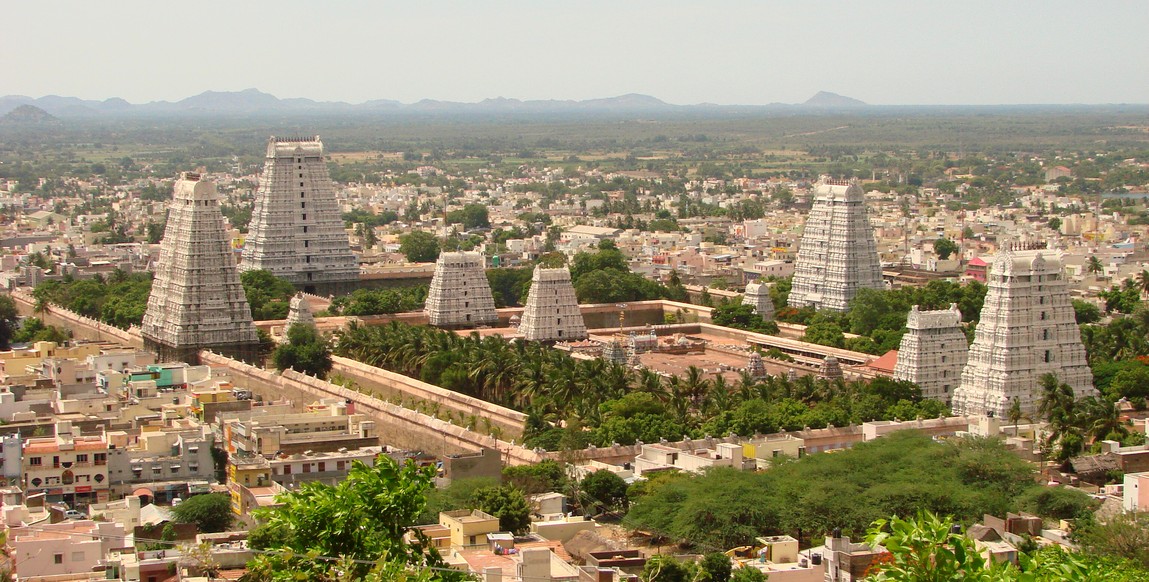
[(552, 312), (757, 295), (933, 352), (837, 254), (1027, 329), (197, 301), (296, 229), (460, 295)]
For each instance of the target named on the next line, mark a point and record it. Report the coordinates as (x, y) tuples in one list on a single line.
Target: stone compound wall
[(396, 425), (391, 386), (81, 327)]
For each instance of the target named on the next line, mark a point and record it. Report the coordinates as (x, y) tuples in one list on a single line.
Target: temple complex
[(933, 352), (296, 229), (758, 296), (1027, 329), (197, 301), (837, 254), (460, 295), (552, 312)]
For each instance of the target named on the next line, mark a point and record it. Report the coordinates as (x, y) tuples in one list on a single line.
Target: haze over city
[(883, 52)]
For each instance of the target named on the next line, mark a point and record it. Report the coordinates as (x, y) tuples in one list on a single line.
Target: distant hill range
[(27, 115), (828, 99), (253, 102)]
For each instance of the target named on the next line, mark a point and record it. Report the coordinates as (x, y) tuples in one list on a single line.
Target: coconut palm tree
[(1094, 266)]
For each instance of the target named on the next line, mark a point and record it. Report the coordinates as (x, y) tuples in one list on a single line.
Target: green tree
[(364, 518), (269, 296), (210, 512), (1085, 312), (470, 216), (717, 567), (506, 503), (1094, 266), (605, 488), (9, 320), (945, 247), (305, 351), (1054, 223), (419, 247)]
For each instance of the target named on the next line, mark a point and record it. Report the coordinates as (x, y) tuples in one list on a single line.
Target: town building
[(64, 550), (837, 254), (67, 467), (933, 352), (552, 312), (197, 301), (460, 295), (328, 427), (296, 229), (1027, 329)]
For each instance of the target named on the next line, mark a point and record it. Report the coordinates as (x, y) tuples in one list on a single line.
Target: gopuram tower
[(296, 228), (197, 301), (837, 255), (933, 352), (552, 312), (758, 296), (460, 295), (1027, 329)]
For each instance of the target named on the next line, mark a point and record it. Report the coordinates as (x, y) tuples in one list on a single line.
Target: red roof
[(885, 363), (977, 262)]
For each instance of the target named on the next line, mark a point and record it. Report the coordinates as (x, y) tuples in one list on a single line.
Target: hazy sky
[(749, 52)]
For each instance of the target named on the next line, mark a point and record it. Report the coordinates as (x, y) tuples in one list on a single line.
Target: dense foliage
[(9, 322), (615, 403), (119, 300), (268, 295), (898, 474), (419, 247), (379, 301), (305, 351), (33, 330), (879, 316), (923, 548), (210, 512), (363, 518)]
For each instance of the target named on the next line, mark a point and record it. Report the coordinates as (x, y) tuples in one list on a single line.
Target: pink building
[(68, 547), (1135, 496)]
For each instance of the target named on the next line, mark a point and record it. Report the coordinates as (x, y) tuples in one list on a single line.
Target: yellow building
[(246, 478), (14, 362), (468, 527)]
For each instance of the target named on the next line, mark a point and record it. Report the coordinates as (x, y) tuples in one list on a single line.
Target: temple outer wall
[(390, 385), (396, 425), (80, 326)]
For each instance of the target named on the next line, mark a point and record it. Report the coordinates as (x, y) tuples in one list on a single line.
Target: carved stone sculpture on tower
[(552, 312), (460, 295), (837, 254), (296, 228), (1026, 329), (933, 352), (197, 301), (758, 296)]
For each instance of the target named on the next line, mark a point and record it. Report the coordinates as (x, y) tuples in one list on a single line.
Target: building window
[(1048, 356), (1042, 316), (58, 558), (287, 469), (101, 458), (81, 458), (35, 461), (322, 467)]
